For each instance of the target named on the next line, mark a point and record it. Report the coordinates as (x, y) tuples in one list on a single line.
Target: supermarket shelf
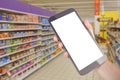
[(23, 64), (27, 55), (114, 40), (16, 59), (47, 43), (111, 34), (19, 51), (17, 65), (38, 52), (22, 29), (45, 29), (46, 24), (26, 61), (2, 73), (45, 38), (19, 43), (113, 37), (30, 66), (111, 48), (54, 44), (19, 36), (47, 33), (19, 22), (113, 27), (32, 58), (48, 54), (28, 73), (49, 47), (23, 70), (118, 40), (45, 56), (118, 60), (118, 49)]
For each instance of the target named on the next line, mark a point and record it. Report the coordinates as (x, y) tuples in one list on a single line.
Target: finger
[(55, 39), (119, 21), (89, 26), (60, 45), (66, 54)]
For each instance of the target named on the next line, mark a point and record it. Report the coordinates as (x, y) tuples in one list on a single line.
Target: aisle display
[(106, 21), (26, 44), (114, 42)]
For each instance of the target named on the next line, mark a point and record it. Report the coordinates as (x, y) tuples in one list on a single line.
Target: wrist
[(109, 71), (103, 66)]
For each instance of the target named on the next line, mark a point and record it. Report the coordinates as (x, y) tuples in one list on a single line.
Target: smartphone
[(84, 51)]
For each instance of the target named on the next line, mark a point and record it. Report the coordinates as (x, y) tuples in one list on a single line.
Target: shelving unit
[(37, 67), (26, 44), (114, 43)]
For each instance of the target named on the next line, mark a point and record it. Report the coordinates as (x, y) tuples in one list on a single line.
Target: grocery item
[(2, 51), (4, 34), (0, 16), (4, 60), (2, 43), (8, 42)]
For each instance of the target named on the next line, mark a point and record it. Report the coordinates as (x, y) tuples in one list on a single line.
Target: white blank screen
[(77, 40)]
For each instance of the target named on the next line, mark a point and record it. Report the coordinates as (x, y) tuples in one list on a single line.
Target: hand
[(118, 21), (60, 45)]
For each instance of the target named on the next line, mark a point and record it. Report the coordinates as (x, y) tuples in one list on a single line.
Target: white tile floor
[(61, 68)]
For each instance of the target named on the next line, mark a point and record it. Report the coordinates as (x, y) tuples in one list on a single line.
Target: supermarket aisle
[(61, 69)]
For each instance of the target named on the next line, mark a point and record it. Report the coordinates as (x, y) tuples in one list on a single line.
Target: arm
[(109, 71)]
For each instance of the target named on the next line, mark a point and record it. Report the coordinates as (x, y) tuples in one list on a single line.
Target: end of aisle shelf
[(26, 44)]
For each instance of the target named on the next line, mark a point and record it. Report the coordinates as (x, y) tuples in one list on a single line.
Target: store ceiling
[(84, 7)]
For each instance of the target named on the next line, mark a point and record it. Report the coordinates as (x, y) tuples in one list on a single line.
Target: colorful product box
[(10, 26), (8, 50), (8, 42), (0, 26), (18, 18), (4, 16), (2, 51), (1, 70), (29, 18), (4, 60), (0, 16), (4, 26), (7, 17), (45, 21), (24, 18), (35, 19), (4, 34), (12, 17), (2, 43)]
